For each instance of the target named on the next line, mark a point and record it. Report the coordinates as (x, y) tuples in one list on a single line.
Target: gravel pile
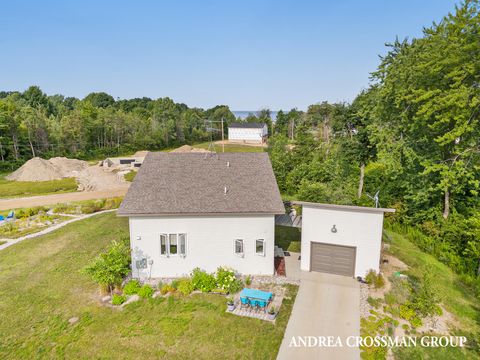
[(38, 169)]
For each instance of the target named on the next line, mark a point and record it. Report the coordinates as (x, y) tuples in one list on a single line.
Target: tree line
[(413, 135), (35, 124)]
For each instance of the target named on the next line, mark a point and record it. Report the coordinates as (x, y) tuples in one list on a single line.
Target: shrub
[(130, 176), (131, 287), (112, 203), (146, 291), (406, 312), (185, 286), (374, 302), (109, 268), (118, 299), (425, 298), (203, 281), (416, 322), (166, 289), (248, 280), (226, 280), (377, 280), (174, 284)]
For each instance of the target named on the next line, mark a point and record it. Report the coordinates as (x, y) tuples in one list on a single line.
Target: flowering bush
[(226, 280)]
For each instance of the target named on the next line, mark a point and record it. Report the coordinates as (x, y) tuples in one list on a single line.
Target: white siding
[(210, 243), (247, 134), (354, 228)]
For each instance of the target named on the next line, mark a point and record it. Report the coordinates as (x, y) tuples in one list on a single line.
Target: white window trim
[(167, 245), (255, 247), (242, 254)]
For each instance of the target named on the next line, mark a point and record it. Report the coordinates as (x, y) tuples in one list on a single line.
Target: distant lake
[(243, 114)]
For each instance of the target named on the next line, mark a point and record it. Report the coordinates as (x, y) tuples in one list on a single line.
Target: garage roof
[(344, 207), (247, 125)]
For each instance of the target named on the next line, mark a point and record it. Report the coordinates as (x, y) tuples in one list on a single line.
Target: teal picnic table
[(256, 294)]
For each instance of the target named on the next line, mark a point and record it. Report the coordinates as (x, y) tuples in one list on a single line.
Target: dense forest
[(34, 124), (413, 136)]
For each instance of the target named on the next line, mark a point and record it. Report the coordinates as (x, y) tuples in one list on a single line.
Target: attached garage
[(341, 240)]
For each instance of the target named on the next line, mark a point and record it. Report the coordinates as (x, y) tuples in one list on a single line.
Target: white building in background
[(248, 132)]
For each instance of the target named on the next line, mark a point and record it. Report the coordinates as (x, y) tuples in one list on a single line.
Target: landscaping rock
[(106, 298), (73, 320), (131, 299), (156, 294)]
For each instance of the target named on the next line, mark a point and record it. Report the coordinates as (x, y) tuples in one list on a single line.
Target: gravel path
[(15, 203), (11, 242)]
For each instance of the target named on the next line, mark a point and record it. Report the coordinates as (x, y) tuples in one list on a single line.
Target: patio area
[(278, 293)]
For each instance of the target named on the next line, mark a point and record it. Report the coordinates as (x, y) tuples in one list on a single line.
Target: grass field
[(41, 288), (9, 189), (456, 298), (231, 147)]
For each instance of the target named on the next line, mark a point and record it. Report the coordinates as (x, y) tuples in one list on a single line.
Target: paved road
[(15, 203), (326, 305)]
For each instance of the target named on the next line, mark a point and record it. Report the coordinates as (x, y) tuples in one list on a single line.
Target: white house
[(189, 210), (248, 132), (342, 240)]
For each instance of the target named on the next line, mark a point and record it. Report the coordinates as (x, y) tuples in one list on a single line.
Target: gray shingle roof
[(246, 125), (194, 183)]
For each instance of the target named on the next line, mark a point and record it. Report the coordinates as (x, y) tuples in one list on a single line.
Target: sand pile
[(95, 178), (189, 149), (38, 169)]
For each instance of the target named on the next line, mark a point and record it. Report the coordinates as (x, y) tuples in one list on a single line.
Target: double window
[(173, 244)]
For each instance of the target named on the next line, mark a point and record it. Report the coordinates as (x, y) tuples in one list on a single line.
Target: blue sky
[(245, 54)]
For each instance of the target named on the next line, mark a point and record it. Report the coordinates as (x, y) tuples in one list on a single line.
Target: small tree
[(109, 268), (426, 299)]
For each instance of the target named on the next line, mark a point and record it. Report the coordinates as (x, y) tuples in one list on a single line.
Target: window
[(260, 247), (173, 248), (173, 244), (182, 244), (163, 244), (239, 247)]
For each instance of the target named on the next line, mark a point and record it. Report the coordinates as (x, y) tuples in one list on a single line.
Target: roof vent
[(225, 190), (228, 163)]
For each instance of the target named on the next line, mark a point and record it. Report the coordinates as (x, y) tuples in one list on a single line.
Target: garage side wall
[(245, 134), (210, 244), (354, 228)]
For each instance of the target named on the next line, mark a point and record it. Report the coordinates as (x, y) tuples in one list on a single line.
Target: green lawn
[(9, 189), (456, 298), (41, 288), (231, 147), (288, 238)]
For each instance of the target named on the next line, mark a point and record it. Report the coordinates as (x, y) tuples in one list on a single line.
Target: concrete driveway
[(326, 306)]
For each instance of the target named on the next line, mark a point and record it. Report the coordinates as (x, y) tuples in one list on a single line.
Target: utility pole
[(223, 140)]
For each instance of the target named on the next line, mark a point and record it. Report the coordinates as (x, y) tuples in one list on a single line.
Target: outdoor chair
[(253, 304), (244, 303), (262, 305)]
